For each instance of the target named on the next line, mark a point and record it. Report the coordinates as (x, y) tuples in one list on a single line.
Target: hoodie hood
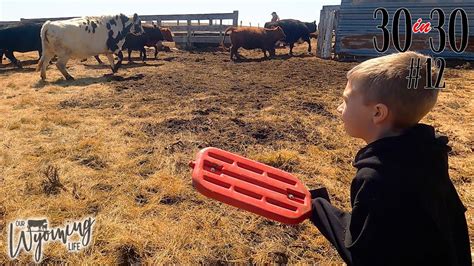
[(416, 145)]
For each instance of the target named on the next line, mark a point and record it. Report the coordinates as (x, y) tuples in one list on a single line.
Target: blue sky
[(249, 11)]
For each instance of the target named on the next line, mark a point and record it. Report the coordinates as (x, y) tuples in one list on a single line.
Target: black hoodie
[(405, 210)]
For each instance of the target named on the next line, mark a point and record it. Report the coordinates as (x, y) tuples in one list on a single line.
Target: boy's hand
[(320, 193)]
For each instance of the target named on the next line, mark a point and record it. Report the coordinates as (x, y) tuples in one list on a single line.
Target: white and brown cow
[(84, 37)]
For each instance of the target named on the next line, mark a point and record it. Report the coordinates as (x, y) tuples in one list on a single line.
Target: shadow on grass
[(276, 57), (86, 81), (127, 65), (17, 70)]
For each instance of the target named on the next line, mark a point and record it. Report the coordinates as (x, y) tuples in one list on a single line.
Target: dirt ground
[(122, 143)]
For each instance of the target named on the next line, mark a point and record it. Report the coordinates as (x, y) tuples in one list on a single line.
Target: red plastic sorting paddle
[(250, 185)]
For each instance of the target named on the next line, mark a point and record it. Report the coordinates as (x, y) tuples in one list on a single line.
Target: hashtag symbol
[(414, 76)]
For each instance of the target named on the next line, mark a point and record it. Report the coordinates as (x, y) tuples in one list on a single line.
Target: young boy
[(405, 210)]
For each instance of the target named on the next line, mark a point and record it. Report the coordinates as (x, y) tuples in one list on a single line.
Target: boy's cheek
[(349, 124), (345, 122)]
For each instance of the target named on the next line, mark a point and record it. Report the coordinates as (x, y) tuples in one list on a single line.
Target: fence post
[(236, 19), (188, 41)]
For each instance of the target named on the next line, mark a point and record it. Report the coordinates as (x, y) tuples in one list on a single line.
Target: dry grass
[(121, 147)]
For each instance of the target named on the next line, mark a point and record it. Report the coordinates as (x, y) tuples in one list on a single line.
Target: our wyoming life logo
[(31, 235)]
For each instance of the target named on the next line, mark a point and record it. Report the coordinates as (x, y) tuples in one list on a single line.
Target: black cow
[(166, 35), (294, 30), (2, 26), (41, 224), (22, 37), (312, 26), (151, 36)]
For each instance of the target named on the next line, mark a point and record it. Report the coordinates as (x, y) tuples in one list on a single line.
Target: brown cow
[(253, 38), (167, 35)]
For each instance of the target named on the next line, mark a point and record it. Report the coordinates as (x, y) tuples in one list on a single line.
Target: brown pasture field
[(121, 146)]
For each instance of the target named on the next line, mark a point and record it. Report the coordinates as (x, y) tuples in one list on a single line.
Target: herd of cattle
[(108, 35)]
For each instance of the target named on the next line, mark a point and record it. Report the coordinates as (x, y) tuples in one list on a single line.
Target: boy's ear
[(380, 113)]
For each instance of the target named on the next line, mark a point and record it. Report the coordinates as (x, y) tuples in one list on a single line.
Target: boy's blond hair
[(384, 80)]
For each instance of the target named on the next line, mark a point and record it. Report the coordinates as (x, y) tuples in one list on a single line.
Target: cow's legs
[(61, 65), (11, 57), (264, 53), (119, 62), (44, 63), (97, 58), (144, 54), (110, 57), (129, 56), (156, 50), (308, 40), (239, 56), (272, 52), (291, 48), (1, 56), (232, 52)]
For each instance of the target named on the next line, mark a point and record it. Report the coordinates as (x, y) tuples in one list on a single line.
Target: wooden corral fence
[(196, 29), (189, 30), (42, 20), (327, 28)]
